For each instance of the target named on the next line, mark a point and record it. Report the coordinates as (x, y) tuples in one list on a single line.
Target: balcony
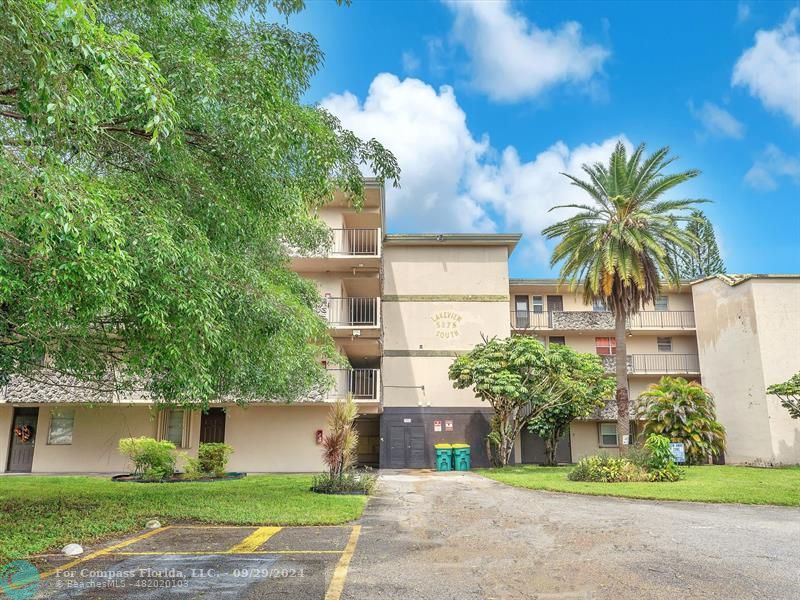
[(362, 384), (587, 320), (352, 313), (350, 248), (664, 363)]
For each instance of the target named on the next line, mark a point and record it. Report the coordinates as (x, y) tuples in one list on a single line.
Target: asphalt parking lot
[(439, 536), (209, 562)]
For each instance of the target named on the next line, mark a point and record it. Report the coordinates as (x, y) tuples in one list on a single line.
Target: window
[(608, 434), (599, 306), (664, 344), (605, 346), (558, 339), (662, 303), (62, 423), (537, 304), (175, 427)]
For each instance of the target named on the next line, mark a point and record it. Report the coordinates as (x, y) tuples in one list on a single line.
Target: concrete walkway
[(452, 535)]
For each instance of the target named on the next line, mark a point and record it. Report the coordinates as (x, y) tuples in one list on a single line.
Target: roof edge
[(734, 279), (509, 240)]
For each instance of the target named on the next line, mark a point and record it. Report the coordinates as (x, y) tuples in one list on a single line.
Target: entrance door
[(212, 426), (521, 317), (554, 304), (23, 439), (407, 447)]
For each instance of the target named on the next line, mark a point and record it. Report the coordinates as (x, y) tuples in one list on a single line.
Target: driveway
[(430, 535), (460, 536)]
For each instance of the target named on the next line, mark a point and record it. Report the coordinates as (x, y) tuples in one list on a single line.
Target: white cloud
[(452, 181), (742, 12), (717, 121), (512, 59), (427, 131), (771, 165), (410, 62), (771, 68)]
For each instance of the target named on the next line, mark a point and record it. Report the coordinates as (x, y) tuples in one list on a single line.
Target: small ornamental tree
[(581, 383), (340, 442), (684, 412), (516, 378), (789, 394)]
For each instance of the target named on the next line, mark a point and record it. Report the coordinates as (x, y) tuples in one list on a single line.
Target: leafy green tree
[(704, 259), (684, 412), (518, 380), (157, 163), (789, 394), (616, 247), (581, 385)]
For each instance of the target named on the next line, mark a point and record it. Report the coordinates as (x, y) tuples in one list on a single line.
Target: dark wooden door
[(407, 447), (212, 426), (555, 303), (20, 455)]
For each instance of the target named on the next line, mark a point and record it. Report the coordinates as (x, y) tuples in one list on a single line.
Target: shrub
[(152, 460), (661, 465), (350, 481), (607, 469), (213, 458), (684, 412), (340, 442)]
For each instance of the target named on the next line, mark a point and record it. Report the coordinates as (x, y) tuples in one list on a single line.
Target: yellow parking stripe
[(340, 572), (103, 551), (212, 553), (253, 541)]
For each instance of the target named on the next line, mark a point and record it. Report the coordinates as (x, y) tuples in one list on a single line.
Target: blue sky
[(484, 103)]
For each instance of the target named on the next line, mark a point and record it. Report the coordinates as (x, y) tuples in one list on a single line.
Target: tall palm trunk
[(623, 418)]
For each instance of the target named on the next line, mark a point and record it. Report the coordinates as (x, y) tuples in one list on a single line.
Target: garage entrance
[(407, 447)]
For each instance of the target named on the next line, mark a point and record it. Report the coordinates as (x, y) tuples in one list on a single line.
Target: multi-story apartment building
[(400, 308)]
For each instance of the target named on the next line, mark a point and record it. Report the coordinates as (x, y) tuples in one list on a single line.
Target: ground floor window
[(558, 339), (175, 427), (608, 434), (62, 423)]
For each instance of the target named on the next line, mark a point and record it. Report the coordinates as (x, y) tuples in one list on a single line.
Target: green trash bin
[(461, 457), (444, 457)]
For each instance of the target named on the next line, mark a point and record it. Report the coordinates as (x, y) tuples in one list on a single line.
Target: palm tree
[(617, 247)]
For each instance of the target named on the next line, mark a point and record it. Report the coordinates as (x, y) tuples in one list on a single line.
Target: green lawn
[(745, 485), (41, 513)]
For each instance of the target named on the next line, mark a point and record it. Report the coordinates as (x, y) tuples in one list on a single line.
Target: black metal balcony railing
[(355, 242), (350, 312), (665, 363), (524, 319), (361, 384), (662, 319)]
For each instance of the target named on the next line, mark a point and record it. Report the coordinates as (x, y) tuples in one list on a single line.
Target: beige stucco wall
[(265, 438), (584, 440), (446, 270), (275, 438), (445, 299), (748, 337), (636, 343), (574, 301), (95, 438), (777, 304)]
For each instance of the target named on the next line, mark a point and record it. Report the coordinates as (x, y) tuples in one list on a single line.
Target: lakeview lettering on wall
[(447, 324)]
